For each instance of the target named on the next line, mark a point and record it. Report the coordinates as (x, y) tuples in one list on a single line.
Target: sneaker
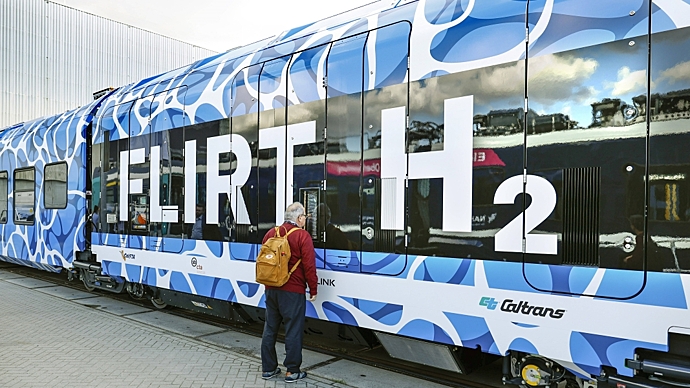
[(292, 377), (268, 375)]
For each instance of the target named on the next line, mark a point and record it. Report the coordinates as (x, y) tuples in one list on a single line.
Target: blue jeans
[(287, 307)]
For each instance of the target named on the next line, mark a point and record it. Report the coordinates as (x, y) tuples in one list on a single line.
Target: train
[(486, 180)]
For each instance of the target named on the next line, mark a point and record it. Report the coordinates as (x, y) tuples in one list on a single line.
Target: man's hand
[(312, 298)]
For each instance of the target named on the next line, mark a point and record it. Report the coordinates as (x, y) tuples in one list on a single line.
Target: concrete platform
[(175, 324), (9, 275), (359, 375), (57, 336), (111, 305), (65, 292), (248, 345), (29, 282)]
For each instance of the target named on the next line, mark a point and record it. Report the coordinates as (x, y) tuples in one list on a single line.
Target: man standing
[(287, 303)]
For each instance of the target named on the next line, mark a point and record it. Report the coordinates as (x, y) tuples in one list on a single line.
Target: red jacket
[(301, 247)]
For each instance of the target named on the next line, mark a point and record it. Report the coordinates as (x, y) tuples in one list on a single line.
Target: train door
[(272, 196), (341, 207), (107, 167), (584, 142), (243, 165), (305, 132), (464, 138), (668, 226), (167, 180), (135, 179), (114, 124), (385, 112), (95, 173)]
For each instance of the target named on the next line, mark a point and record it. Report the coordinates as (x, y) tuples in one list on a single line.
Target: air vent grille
[(581, 193)]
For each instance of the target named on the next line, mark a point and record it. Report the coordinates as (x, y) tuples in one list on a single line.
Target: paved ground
[(54, 336)]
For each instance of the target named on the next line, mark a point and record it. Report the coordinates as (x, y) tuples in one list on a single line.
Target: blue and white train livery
[(506, 176)]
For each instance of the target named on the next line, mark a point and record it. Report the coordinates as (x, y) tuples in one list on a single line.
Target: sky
[(217, 25)]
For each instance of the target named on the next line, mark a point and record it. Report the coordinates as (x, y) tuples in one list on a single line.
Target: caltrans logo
[(489, 303), (521, 307)]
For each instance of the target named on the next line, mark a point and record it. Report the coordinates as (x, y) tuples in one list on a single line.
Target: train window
[(3, 197), (55, 186), (24, 188)]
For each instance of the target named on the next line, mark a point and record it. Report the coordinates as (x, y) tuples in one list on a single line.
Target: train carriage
[(506, 176)]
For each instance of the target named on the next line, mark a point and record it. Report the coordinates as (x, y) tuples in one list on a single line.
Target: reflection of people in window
[(202, 231), (197, 229), (335, 238), (634, 260), (656, 256), (96, 219)]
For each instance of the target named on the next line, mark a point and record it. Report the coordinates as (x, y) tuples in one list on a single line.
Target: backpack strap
[(277, 228), (294, 267)]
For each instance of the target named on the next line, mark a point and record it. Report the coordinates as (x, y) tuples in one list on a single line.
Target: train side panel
[(45, 162), (368, 127)]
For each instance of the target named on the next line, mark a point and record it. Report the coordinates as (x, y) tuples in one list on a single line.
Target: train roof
[(447, 37)]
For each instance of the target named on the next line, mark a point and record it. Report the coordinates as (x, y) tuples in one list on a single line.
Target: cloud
[(628, 82), (556, 78), (487, 84), (679, 72), (552, 78)]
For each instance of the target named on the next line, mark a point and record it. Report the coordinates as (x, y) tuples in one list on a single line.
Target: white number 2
[(509, 239)]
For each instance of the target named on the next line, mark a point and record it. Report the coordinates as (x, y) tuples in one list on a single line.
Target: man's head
[(199, 210), (324, 213), (295, 213), (637, 223)]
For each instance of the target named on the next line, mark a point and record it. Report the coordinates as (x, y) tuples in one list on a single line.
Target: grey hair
[(293, 211)]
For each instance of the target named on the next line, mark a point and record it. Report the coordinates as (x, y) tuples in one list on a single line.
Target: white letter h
[(453, 164)]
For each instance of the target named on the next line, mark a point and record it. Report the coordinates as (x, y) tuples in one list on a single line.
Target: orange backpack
[(272, 261)]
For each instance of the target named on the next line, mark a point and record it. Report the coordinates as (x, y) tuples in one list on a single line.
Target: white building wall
[(52, 57)]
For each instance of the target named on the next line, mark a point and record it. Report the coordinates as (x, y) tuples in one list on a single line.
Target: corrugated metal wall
[(52, 57)]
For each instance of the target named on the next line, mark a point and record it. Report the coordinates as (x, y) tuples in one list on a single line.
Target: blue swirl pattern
[(56, 235), (439, 37)]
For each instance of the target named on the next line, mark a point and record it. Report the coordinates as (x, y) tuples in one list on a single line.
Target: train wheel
[(135, 290), (155, 297), (158, 302), (84, 280)]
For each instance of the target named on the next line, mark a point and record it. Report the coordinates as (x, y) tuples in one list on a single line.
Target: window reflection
[(24, 188), (55, 186)]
